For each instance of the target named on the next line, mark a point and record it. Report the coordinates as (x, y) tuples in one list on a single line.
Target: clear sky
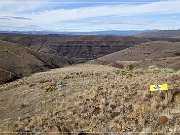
[(89, 15)]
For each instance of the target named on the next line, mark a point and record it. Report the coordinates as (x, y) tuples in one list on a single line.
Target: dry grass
[(18, 61), (90, 98)]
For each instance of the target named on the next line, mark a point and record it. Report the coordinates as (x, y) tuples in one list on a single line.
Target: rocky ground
[(91, 99)]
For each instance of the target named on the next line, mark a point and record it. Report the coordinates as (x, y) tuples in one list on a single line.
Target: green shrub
[(167, 70), (178, 72), (62, 83), (155, 69), (138, 70)]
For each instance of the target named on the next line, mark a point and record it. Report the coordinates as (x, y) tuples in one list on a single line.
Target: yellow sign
[(158, 87)]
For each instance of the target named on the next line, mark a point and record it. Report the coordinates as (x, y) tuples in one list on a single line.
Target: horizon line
[(94, 2)]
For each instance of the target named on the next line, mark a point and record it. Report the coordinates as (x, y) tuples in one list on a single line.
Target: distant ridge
[(161, 35), (109, 32), (79, 46)]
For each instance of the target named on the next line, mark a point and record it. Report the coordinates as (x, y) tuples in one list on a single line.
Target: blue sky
[(92, 15)]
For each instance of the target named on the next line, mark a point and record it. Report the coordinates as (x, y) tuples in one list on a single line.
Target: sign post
[(163, 87), (158, 87)]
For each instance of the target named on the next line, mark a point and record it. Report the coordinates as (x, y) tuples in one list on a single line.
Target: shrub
[(167, 70), (153, 69), (66, 77), (130, 67), (117, 71), (138, 71), (162, 120), (49, 88), (154, 105), (178, 72), (117, 65), (62, 83)]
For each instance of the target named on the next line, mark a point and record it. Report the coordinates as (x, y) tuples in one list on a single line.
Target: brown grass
[(82, 99)]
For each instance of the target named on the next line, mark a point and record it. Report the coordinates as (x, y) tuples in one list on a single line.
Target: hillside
[(161, 35), (90, 99), (92, 46), (18, 61), (164, 54)]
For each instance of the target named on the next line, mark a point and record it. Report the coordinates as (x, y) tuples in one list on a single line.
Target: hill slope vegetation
[(18, 61), (164, 54), (90, 99)]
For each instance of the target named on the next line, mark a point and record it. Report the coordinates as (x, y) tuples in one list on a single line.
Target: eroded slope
[(80, 46), (18, 61)]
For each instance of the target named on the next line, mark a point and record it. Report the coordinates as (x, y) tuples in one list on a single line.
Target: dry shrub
[(32, 85), (49, 88), (145, 95), (52, 131), (130, 67), (176, 97), (160, 99), (84, 75), (117, 65), (162, 120), (57, 130), (154, 105), (139, 111), (164, 104), (117, 71), (165, 98), (98, 74), (115, 127), (45, 80), (66, 77), (62, 83), (169, 96)]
